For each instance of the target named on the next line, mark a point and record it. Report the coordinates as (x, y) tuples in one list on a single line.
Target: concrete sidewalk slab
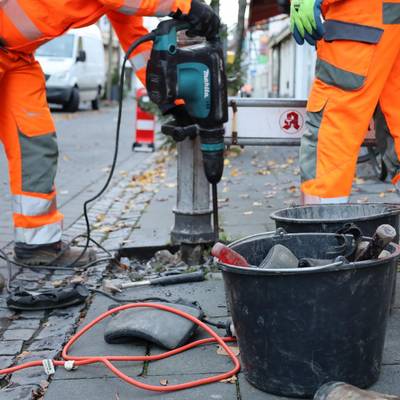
[(114, 389)]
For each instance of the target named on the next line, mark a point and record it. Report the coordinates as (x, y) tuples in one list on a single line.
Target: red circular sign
[(291, 122)]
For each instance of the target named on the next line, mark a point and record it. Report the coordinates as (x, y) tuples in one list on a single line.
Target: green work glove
[(305, 21)]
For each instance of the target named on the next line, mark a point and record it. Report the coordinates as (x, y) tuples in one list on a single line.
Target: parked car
[(74, 68)]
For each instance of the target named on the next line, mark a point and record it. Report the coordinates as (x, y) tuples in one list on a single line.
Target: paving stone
[(10, 347), (391, 353), (25, 324), (18, 334), (111, 388), (209, 294), (201, 360), (6, 361), (31, 276), (249, 392), (18, 393), (49, 343), (389, 381), (32, 376), (6, 313), (31, 314), (56, 325)]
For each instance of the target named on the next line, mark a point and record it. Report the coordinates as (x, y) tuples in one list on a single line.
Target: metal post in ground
[(193, 228)]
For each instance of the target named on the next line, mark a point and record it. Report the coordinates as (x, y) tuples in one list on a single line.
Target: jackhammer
[(190, 84)]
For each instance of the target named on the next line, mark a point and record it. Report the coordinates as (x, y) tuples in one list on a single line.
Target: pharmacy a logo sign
[(291, 122)]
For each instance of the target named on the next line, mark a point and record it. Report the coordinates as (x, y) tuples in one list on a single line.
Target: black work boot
[(57, 254)]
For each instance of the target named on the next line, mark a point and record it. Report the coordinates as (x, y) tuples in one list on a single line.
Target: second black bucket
[(300, 328), (332, 217)]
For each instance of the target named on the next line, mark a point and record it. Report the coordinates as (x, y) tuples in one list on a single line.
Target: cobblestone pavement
[(137, 210)]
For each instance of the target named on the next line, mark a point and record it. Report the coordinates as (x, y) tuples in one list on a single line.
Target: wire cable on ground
[(108, 360)]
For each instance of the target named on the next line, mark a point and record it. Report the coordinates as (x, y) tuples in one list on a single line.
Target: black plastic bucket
[(332, 217), (298, 329)]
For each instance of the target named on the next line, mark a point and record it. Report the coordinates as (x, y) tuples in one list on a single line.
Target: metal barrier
[(272, 122)]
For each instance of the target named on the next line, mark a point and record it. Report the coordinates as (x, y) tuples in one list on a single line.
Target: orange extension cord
[(107, 360)]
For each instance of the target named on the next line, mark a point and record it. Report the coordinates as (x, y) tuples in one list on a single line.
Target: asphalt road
[(86, 143)]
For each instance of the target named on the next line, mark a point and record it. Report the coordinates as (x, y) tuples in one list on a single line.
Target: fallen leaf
[(24, 354), (226, 162), (382, 194), (234, 349), (359, 181), (235, 172), (170, 185), (66, 158), (58, 283), (77, 279), (233, 379), (164, 382), (100, 217), (263, 172), (225, 189)]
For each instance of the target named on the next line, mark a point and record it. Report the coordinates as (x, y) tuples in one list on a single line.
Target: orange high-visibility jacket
[(26, 24)]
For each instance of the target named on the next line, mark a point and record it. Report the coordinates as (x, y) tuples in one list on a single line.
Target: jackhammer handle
[(182, 278)]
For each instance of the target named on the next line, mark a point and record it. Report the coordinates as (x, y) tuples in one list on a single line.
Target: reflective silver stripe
[(338, 77), (33, 206), (22, 22), (164, 8), (308, 199), (339, 30), (42, 235), (140, 60), (130, 7)]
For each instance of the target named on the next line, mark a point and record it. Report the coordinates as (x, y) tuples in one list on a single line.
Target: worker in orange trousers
[(26, 127), (358, 69)]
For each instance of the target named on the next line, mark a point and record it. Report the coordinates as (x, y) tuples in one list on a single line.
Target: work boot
[(57, 254)]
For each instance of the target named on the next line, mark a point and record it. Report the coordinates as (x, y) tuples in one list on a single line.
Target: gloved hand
[(203, 20), (305, 21)]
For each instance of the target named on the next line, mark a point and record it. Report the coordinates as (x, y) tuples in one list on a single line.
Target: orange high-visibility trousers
[(26, 127), (28, 135), (358, 68)]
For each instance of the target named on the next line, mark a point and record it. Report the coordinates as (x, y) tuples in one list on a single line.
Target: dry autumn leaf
[(232, 380), (234, 349), (234, 172), (164, 382)]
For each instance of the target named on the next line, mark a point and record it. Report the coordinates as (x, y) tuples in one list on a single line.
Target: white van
[(74, 67)]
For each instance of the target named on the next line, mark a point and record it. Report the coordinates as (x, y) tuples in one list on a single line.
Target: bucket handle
[(339, 261)]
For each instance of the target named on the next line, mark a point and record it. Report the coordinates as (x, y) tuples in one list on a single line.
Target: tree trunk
[(240, 30), (236, 70), (215, 5)]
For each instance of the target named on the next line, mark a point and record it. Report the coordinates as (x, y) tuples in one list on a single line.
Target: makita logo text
[(206, 83)]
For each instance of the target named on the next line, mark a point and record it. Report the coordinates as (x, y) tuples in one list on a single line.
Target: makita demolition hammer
[(190, 84)]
